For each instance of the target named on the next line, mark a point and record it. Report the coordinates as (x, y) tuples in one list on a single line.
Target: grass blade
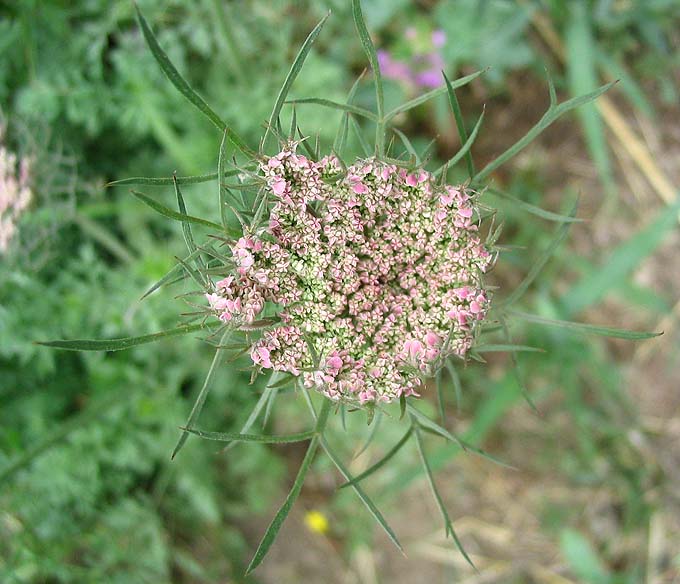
[(371, 434), (432, 426), (222, 189), (119, 344), (538, 265), (457, 385), (186, 227), (425, 97), (585, 328), (292, 74), (254, 414), (441, 403), (369, 49), (550, 116), (202, 395), (280, 517), (407, 144), (582, 77), (460, 124), (159, 181), (360, 137), (533, 209), (465, 148), (171, 214), (183, 87), (517, 372), (373, 510), (369, 471), (260, 438), (448, 525), (623, 260)]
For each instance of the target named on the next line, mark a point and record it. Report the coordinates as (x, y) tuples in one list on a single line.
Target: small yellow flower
[(316, 522)]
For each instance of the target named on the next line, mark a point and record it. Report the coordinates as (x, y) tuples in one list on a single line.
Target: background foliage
[(87, 490)]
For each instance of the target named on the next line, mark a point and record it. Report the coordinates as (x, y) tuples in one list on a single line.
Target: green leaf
[(158, 181), (260, 438), (533, 209), (184, 88), (620, 263), (550, 116), (460, 124), (280, 517), (464, 150), (373, 510), (202, 394), (585, 328), (345, 107), (369, 471), (171, 214), (119, 344), (292, 74), (369, 49), (538, 265), (448, 525), (425, 97)]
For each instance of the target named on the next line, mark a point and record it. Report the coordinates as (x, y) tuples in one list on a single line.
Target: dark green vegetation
[(88, 492)]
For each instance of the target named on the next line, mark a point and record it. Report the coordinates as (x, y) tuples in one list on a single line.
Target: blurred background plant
[(87, 490)]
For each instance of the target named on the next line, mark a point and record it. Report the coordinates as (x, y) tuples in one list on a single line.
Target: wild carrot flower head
[(15, 192), (376, 272)]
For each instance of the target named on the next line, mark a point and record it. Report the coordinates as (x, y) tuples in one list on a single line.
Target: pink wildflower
[(385, 266)]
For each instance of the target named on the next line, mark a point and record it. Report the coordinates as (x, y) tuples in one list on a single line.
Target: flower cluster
[(375, 272), (15, 192)]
